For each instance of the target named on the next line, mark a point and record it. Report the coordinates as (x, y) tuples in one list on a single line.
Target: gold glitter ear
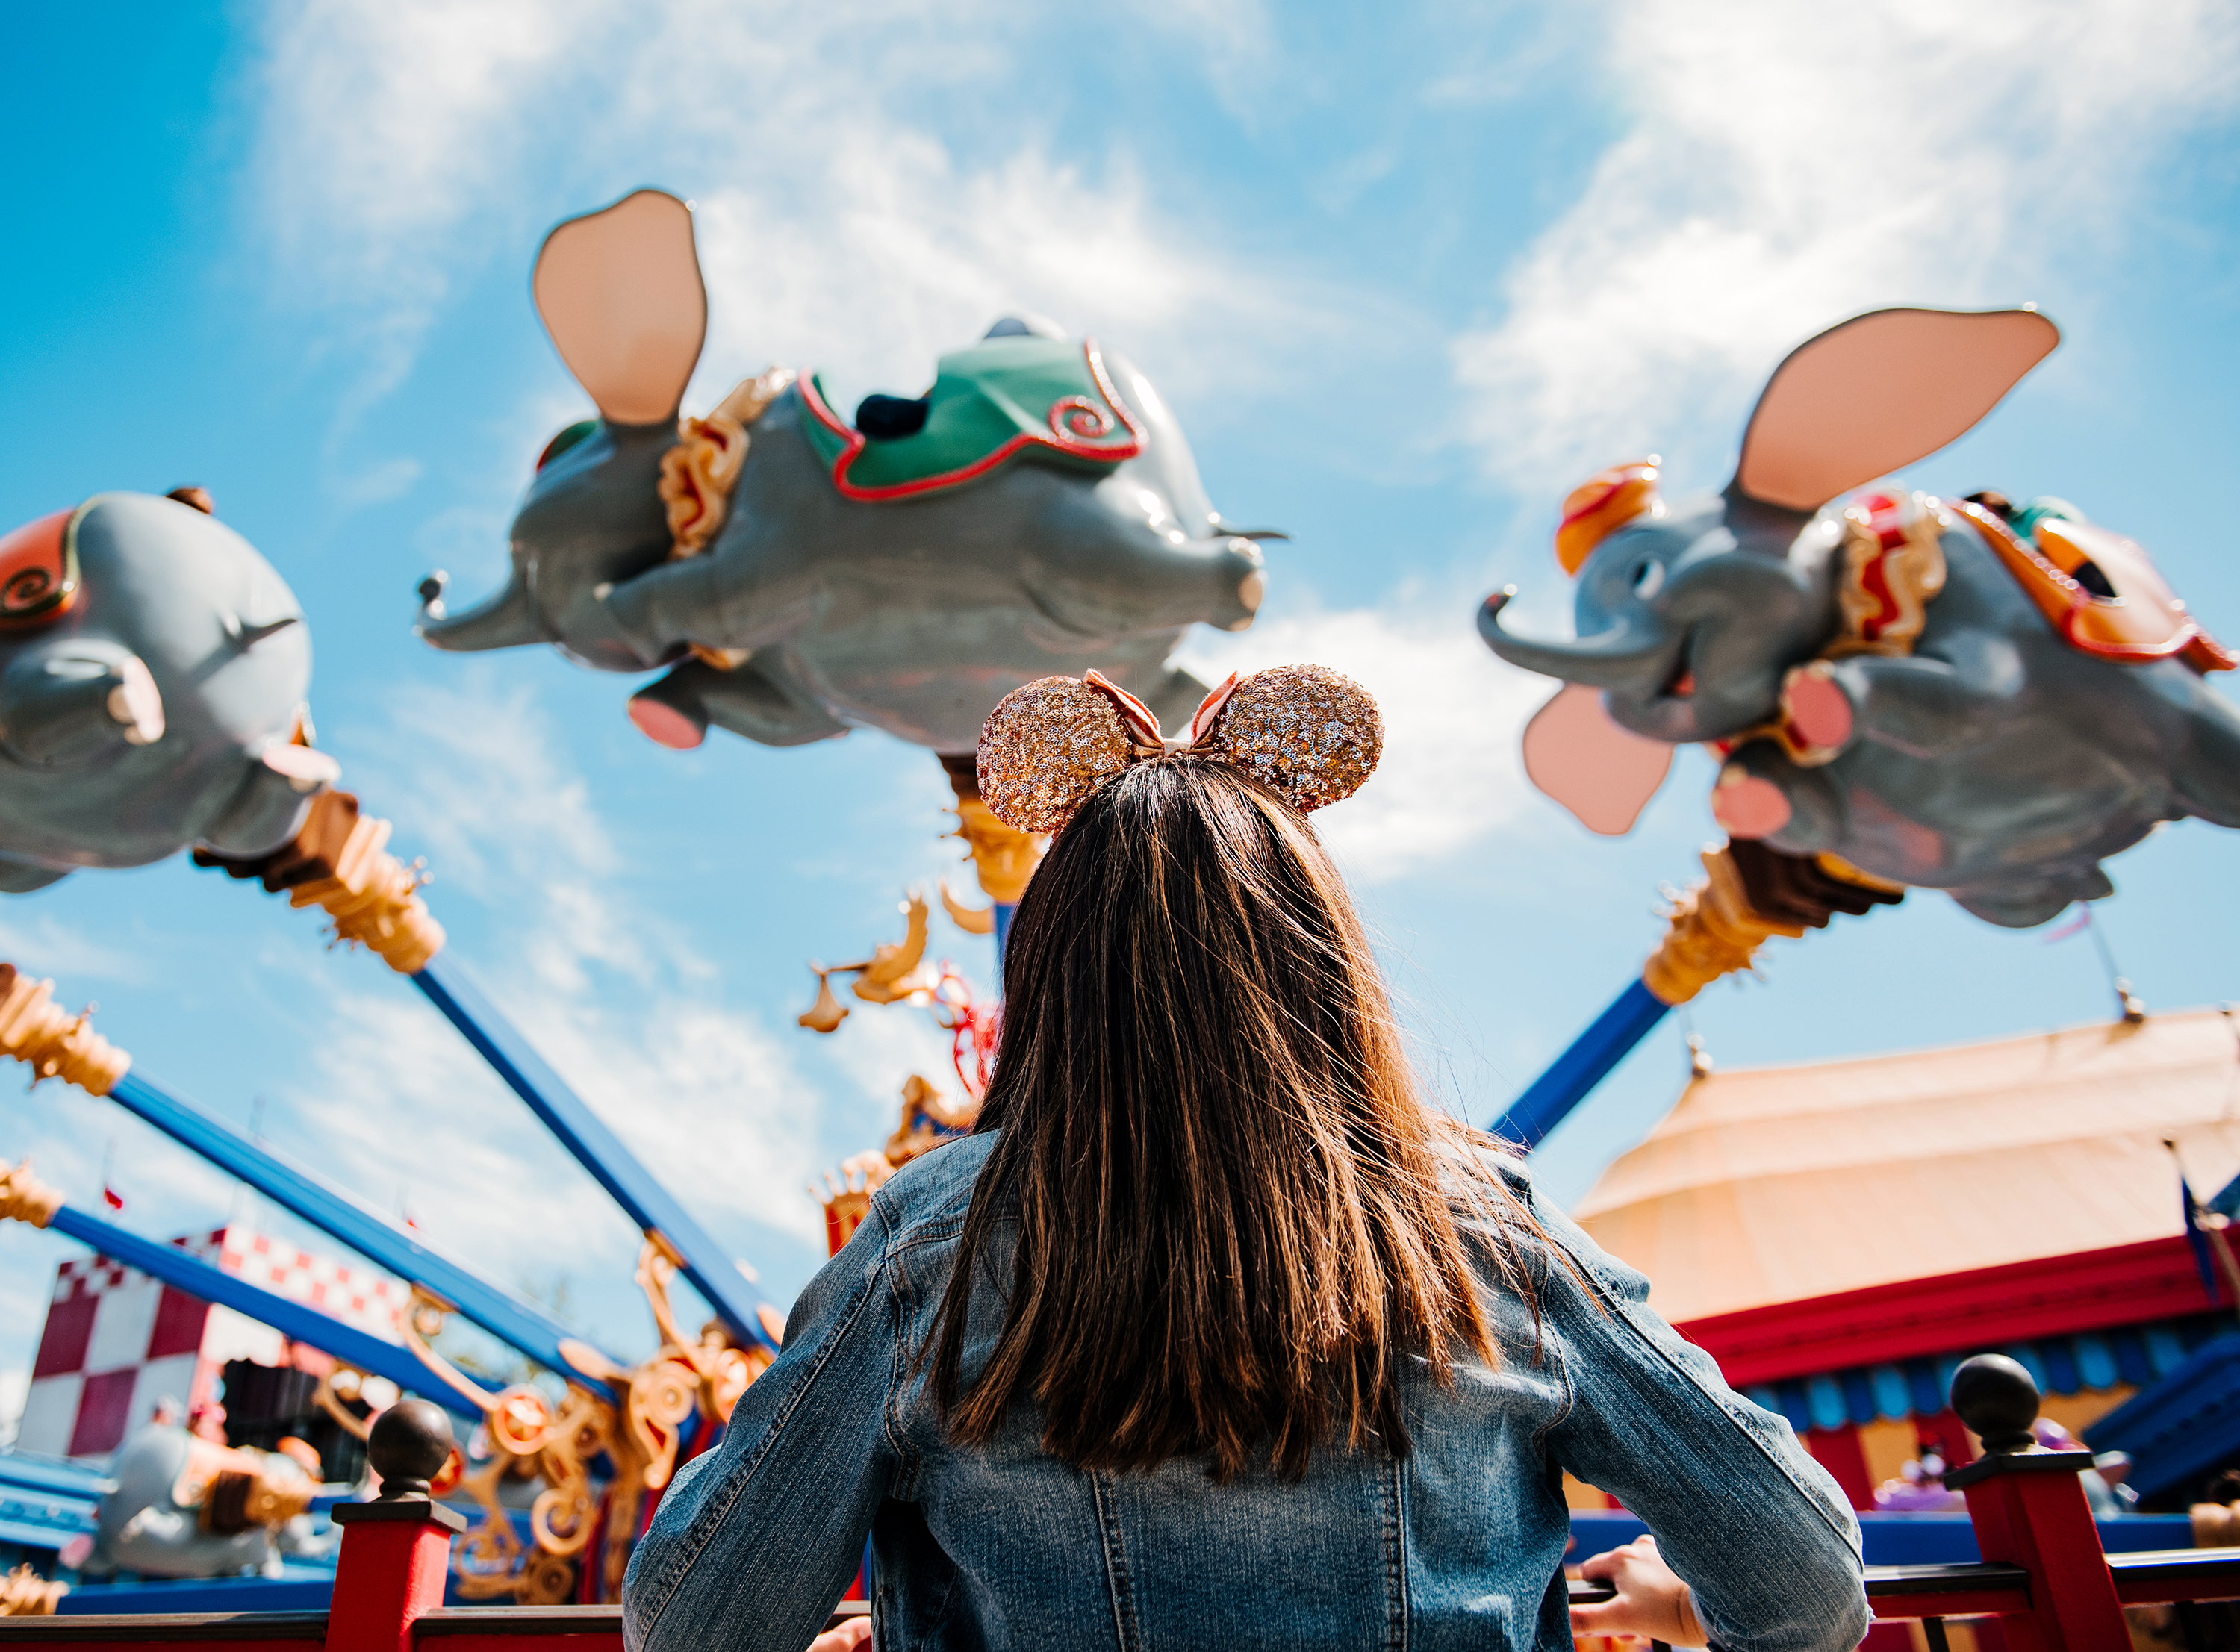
[(1308, 732), (1044, 747)]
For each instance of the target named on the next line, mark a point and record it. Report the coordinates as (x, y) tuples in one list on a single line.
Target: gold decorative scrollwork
[(1893, 566), (526, 1435), (54, 1043), (698, 474), (338, 1389), (24, 1593), (549, 1580), (420, 1321), (1003, 856), (1715, 931), (23, 1198)]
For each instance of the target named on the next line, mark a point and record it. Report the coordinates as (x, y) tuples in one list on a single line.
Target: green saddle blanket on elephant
[(1003, 398)]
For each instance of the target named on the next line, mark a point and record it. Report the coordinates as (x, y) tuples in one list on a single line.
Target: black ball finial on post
[(408, 1446), (1998, 1398)]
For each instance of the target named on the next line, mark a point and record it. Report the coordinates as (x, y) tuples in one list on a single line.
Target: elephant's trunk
[(1623, 656), (507, 620)]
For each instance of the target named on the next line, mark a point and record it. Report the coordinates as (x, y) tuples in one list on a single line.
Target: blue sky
[(1407, 274)]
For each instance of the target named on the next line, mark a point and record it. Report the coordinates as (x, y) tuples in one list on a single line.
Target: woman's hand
[(1652, 1600), (856, 1632)]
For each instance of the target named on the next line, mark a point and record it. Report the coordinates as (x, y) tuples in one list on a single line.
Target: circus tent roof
[(1777, 1184)]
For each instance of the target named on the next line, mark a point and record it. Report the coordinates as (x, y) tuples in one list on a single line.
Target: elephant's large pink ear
[(1603, 773), (1874, 394), (620, 292)]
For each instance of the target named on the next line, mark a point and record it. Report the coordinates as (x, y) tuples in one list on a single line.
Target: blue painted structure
[(1907, 1540), (298, 1588), (598, 1149), (519, 1324), (2183, 1429), (44, 1502), (299, 1321), (1568, 1079)]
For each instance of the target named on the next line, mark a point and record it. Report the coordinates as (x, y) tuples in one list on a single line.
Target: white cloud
[(1787, 165), (394, 120), (1452, 770), (701, 1090), (396, 140), (41, 946)]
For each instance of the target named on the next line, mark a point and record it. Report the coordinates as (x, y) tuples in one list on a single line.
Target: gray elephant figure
[(1037, 511), (186, 1507), (1948, 694), (152, 674)]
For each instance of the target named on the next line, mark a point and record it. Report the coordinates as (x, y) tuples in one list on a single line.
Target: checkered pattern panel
[(370, 1302), (117, 1340)]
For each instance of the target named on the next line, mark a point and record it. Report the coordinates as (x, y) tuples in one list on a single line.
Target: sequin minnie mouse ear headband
[(1304, 730)]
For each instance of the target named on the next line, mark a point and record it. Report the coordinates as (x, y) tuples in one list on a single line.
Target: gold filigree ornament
[(51, 1041), (525, 1434), (24, 1593), (1715, 931), (895, 971), (375, 901), (1893, 567), (698, 474), (23, 1198), (928, 1121), (345, 1386)]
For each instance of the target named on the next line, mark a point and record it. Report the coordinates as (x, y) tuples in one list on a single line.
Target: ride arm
[(24, 1199), (520, 1324), (713, 1272)]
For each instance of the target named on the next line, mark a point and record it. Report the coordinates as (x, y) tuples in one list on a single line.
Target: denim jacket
[(1460, 1544)]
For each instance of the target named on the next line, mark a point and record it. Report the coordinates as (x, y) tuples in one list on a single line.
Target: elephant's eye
[(1648, 579)]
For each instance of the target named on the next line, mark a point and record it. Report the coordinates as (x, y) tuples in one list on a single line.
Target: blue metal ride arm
[(1578, 1069), (298, 1321), (597, 1149), (521, 1325)]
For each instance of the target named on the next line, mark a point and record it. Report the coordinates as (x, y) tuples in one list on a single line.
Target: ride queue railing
[(2043, 1576)]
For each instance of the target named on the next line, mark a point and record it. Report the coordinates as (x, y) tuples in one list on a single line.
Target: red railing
[(2044, 1578)]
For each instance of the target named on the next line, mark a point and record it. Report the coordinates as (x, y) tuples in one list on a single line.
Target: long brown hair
[(1235, 1211)]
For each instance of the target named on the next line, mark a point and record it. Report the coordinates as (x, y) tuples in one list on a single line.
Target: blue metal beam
[(521, 1324), (597, 1149), (1578, 1069), (298, 1321)]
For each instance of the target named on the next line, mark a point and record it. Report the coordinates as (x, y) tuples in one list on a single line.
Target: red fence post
[(396, 1551), (2029, 1511)]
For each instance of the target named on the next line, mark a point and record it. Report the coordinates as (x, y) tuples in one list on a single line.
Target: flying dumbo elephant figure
[(182, 1506), (152, 674), (1037, 511), (1960, 695)]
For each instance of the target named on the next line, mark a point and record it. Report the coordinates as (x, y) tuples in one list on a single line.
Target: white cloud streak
[(840, 232), (1785, 166), (1452, 770)]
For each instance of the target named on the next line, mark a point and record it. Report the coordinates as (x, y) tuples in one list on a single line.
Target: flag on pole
[(109, 1196), (2202, 1259)]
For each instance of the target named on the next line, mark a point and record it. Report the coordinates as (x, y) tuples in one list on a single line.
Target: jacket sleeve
[(754, 1542), (1760, 1533)]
